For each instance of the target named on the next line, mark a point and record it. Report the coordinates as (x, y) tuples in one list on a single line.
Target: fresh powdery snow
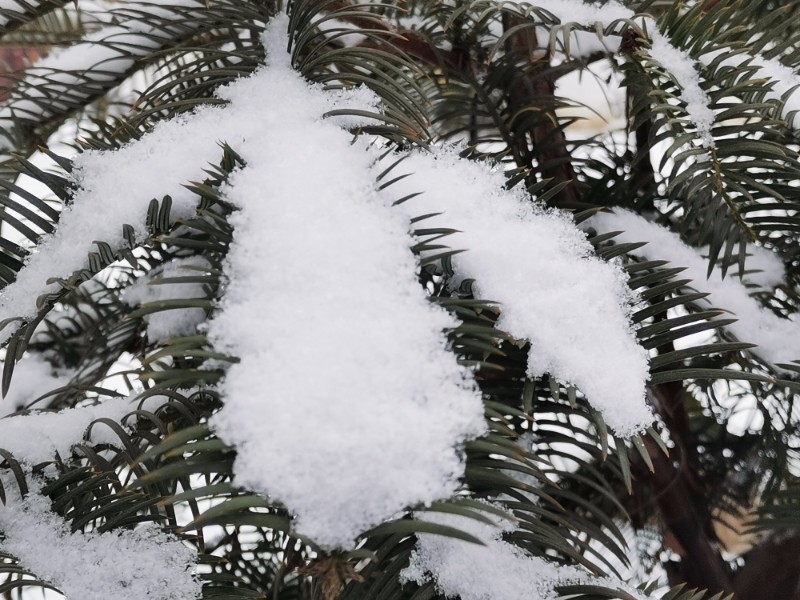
[(163, 284), (321, 274), (496, 570), (778, 339), (572, 306), (159, 164), (341, 292), (37, 437), (681, 66), (124, 565)]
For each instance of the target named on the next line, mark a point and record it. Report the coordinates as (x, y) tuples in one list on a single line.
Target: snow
[(378, 341), (572, 306), (33, 376), (335, 333), (160, 285), (763, 268), (124, 565), (349, 302), (778, 339), (681, 67), (132, 176), (36, 438), (321, 274), (496, 570)]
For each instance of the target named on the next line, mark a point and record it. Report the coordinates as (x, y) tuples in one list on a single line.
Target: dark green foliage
[(465, 73)]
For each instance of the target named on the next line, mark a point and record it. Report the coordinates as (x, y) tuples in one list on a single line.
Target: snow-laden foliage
[(778, 339), (571, 306), (491, 569), (341, 300), (130, 564)]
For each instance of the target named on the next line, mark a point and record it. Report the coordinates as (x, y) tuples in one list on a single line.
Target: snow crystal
[(33, 377), (150, 289), (571, 305), (124, 565), (336, 336), (496, 570), (36, 438), (778, 339)]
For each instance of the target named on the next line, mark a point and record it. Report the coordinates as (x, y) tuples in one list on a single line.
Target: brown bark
[(539, 139), (701, 565)]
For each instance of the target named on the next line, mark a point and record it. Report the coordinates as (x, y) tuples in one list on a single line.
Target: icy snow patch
[(572, 306), (124, 565), (778, 339)]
